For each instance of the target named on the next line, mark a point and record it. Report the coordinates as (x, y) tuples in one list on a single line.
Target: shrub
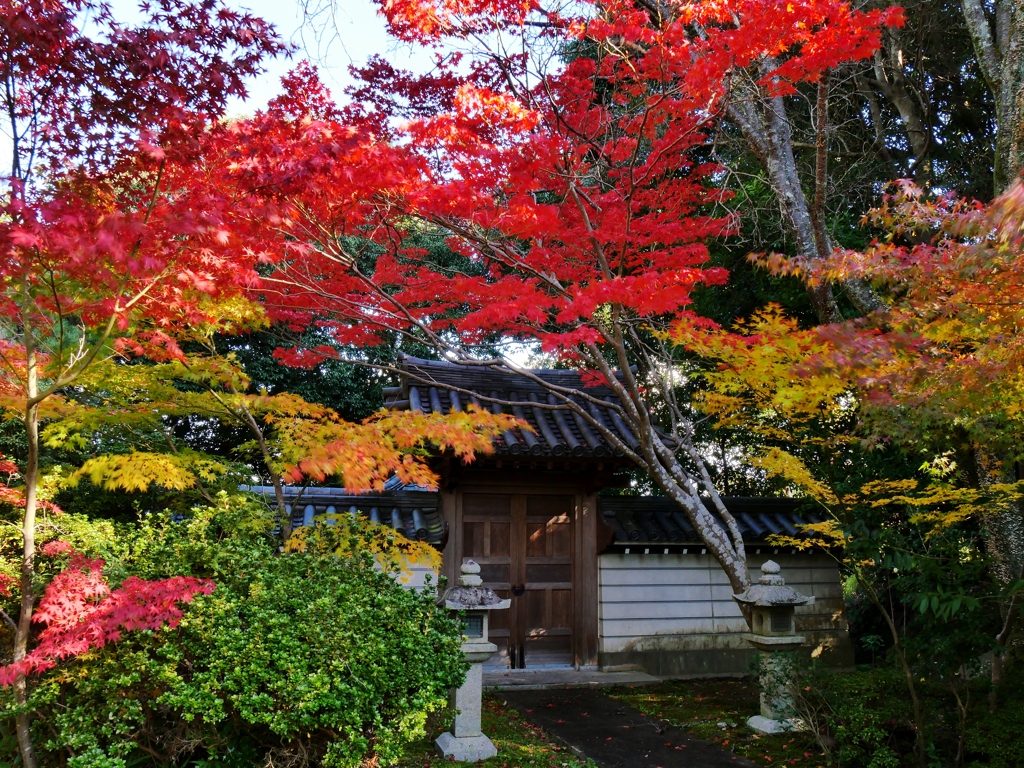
[(296, 659), (995, 739), (859, 718), (862, 719)]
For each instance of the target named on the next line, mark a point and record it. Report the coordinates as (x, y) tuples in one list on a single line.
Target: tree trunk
[(275, 477), (890, 80), (1010, 115), (1003, 533), (28, 533), (920, 744), (998, 40), (812, 241), (767, 132)]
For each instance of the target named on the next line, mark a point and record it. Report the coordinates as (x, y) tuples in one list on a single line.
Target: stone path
[(542, 678), (613, 734)]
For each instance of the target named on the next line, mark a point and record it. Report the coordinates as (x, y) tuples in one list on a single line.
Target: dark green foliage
[(862, 721), (354, 391), (858, 720), (996, 739)]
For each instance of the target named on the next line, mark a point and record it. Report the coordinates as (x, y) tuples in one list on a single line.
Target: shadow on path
[(613, 734)]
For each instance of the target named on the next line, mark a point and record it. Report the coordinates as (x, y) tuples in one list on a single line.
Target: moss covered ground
[(717, 710), (520, 744)]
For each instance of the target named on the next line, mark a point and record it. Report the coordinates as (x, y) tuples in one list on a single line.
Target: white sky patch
[(349, 35)]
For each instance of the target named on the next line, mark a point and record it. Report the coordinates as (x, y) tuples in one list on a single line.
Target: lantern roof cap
[(470, 595), (771, 590)]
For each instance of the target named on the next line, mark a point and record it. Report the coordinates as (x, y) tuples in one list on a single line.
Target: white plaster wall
[(684, 602)]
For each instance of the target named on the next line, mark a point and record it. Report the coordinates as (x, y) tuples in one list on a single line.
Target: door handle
[(518, 589)]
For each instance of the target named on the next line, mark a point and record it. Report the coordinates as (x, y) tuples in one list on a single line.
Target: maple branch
[(12, 115), (244, 415), (399, 309), (8, 620), (7, 361), (598, 249), (60, 313), (79, 367), (661, 461), (508, 258), (753, 134), (901, 655), (199, 483)]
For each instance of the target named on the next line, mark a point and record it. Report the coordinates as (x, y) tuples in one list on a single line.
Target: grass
[(703, 707), (520, 744)]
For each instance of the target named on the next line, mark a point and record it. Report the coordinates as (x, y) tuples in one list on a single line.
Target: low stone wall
[(673, 614)]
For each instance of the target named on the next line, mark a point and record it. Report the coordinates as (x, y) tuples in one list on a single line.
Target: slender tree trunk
[(811, 241), (244, 415), (890, 80), (28, 533), (763, 121), (1002, 644), (920, 746), (1003, 533), (275, 477)]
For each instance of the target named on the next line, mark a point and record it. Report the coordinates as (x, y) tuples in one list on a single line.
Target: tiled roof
[(635, 520), (440, 387), (413, 513), (643, 520)]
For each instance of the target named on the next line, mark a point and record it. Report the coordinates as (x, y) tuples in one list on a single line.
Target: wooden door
[(546, 606), (487, 539), (524, 545)]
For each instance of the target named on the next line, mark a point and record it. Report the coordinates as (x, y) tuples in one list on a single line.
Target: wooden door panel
[(547, 575), (496, 573), (500, 539), (487, 537), (525, 541), (562, 612), (473, 533), (533, 613)]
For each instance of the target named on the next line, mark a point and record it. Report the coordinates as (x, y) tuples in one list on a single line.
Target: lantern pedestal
[(466, 742), (776, 684)]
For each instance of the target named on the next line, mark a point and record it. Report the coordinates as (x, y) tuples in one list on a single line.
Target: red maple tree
[(104, 118), (575, 186), (118, 243)]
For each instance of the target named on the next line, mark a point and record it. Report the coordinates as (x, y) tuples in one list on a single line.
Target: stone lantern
[(466, 742), (772, 605)]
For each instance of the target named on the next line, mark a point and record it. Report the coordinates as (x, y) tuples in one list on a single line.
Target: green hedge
[(297, 659)]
